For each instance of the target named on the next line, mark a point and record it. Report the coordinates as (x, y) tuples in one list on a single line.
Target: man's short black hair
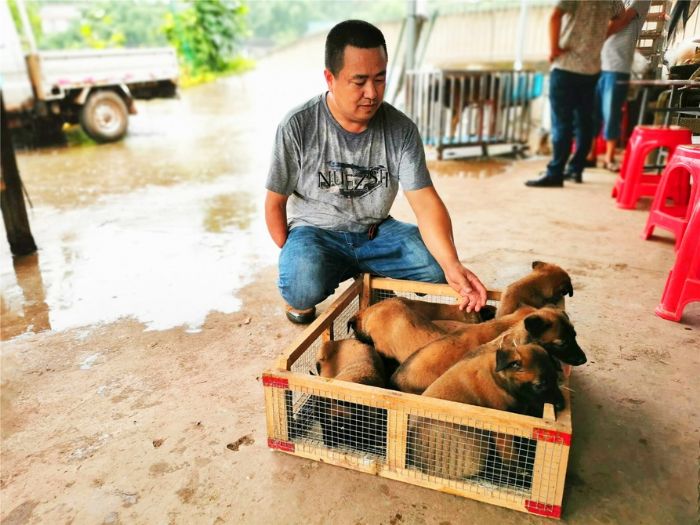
[(356, 33)]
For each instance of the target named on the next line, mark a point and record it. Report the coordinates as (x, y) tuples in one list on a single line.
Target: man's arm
[(554, 32), (276, 217), (436, 229), (620, 22)]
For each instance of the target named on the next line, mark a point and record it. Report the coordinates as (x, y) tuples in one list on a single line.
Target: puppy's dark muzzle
[(578, 360), (573, 356)]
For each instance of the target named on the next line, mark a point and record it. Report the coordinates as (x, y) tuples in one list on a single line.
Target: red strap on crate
[(552, 436), (543, 509), (279, 444), (275, 382)]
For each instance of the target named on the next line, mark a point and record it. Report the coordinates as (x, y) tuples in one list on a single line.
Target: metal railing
[(456, 108)]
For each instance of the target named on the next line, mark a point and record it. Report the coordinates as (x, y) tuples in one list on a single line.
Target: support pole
[(520, 38), (14, 213), (410, 34)]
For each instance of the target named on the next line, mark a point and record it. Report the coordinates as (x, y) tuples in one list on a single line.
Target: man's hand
[(276, 217), (468, 285), (555, 53), (554, 31)]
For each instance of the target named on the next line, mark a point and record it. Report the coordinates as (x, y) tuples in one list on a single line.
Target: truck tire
[(104, 117)]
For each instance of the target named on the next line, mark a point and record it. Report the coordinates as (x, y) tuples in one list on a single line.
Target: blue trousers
[(313, 261), (610, 97), (572, 104)]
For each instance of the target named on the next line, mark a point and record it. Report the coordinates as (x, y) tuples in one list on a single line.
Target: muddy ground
[(134, 342)]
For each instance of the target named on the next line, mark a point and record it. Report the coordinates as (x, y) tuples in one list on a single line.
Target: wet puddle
[(473, 169), (163, 227), (164, 256)]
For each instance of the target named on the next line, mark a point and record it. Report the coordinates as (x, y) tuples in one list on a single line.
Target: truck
[(43, 90)]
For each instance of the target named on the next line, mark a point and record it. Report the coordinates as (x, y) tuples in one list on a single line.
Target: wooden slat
[(460, 413), (382, 283), (270, 413), (338, 458), (561, 475), (548, 413), (366, 294), (546, 472), (396, 434), (275, 413), (315, 329), (464, 488)]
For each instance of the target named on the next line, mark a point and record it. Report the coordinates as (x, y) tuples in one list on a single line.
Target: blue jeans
[(610, 97), (313, 261), (572, 104)]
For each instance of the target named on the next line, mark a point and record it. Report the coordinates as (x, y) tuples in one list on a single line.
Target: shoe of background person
[(576, 177), (611, 166), (545, 181), (590, 163), (301, 316)]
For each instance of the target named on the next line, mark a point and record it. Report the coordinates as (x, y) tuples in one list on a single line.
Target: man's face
[(358, 90)]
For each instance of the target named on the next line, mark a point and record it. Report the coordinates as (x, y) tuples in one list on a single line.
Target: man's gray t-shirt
[(342, 181), (618, 50)]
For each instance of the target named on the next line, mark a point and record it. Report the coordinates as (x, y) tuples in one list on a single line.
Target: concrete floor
[(134, 342)]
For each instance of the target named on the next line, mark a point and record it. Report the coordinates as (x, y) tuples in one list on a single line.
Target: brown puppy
[(394, 328), (510, 378), (451, 312), (449, 326), (344, 423), (427, 364), (350, 360), (444, 449), (548, 327), (546, 284)]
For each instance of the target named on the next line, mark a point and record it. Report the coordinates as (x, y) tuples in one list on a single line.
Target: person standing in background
[(577, 31), (616, 62)]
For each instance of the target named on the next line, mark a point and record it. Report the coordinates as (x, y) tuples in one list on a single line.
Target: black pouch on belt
[(374, 229)]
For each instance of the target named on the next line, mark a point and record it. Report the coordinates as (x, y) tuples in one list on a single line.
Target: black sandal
[(301, 316)]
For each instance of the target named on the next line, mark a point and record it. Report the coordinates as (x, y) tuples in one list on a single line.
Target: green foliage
[(207, 34), (284, 21), (110, 23), (32, 14)]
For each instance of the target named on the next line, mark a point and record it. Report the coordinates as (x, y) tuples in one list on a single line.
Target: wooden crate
[(306, 416)]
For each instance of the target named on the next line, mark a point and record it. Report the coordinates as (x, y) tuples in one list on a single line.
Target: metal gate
[(455, 108)]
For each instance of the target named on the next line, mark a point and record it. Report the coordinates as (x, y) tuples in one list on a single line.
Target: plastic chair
[(676, 196), (632, 183), (683, 283)]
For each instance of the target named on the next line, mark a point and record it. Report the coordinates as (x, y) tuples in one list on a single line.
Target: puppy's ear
[(352, 323), (569, 289), (536, 264), (318, 367), (505, 357), (555, 362), (487, 312), (536, 325)]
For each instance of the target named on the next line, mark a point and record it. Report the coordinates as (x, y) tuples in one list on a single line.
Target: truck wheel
[(104, 117)]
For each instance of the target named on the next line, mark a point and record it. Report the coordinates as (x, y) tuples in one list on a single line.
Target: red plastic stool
[(683, 283), (666, 211), (633, 183)]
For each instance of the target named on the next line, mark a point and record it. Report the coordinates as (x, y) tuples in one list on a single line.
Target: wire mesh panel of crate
[(482, 452)]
